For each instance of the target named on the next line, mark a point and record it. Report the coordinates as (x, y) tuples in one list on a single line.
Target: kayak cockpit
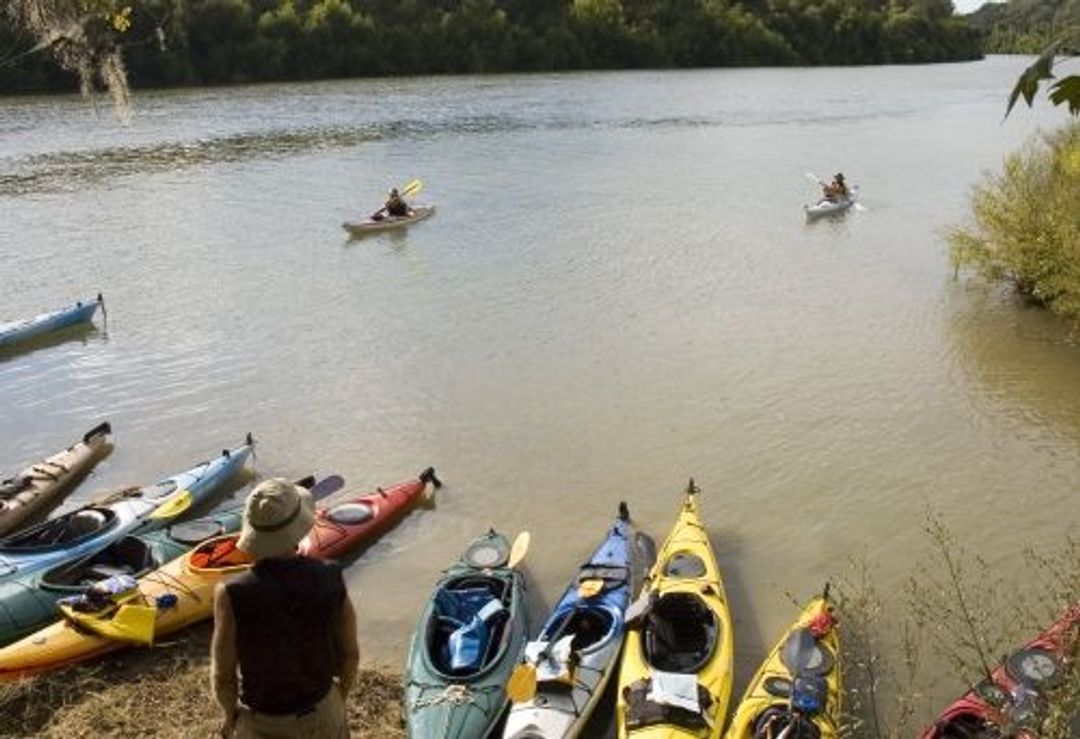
[(681, 633), (467, 625), (63, 532), (129, 556)]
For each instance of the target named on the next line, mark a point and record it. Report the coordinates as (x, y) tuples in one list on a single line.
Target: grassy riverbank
[(164, 693)]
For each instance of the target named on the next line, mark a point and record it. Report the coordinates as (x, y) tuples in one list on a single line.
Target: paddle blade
[(814, 177), (590, 588), (174, 506), (522, 684), (412, 188), (134, 624), (327, 486), (517, 552)]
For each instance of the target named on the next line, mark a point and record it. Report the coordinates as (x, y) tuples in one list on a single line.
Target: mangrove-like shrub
[(1026, 228)]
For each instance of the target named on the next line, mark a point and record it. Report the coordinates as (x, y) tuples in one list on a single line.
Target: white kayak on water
[(827, 207), (388, 223)]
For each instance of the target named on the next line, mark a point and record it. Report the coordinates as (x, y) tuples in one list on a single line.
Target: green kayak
[(467, 641)]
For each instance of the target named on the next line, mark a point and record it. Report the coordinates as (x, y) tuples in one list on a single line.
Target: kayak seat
[(590, 627), (103, 571), (467, 617), (82, 523), (775, 719), (680, 633)]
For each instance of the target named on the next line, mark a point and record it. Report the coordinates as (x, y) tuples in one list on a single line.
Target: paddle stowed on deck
[(565, 669)]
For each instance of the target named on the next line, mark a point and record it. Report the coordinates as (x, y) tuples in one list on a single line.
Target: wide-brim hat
[(277, 515)]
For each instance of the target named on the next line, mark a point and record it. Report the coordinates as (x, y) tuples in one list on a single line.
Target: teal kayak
[(466, 643), (19, 331), (92, 527), (27, 604)]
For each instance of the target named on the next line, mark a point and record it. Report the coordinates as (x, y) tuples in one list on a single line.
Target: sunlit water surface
[(618, 292)]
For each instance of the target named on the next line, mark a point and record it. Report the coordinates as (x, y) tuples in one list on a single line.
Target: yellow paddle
[(517, 552), (174, 506), (411, 188), (522, 684)]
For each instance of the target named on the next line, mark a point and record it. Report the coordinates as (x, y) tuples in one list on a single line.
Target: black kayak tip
[(428, 475), (102, 429), (624, 511), (691, 488)]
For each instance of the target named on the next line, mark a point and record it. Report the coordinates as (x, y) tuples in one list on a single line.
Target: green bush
[(1026, 228)]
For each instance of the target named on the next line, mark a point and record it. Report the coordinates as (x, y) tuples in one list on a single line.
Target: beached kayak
[(41, 486), (799, 681), (356, 521), (94, 526), (676, 672), (180, 593), (388, 223), (27, 604), (1011, 701), (18, 331), (466, 643), (578, 647)]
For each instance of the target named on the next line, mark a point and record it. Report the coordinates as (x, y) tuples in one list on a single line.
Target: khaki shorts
[(327, 720)]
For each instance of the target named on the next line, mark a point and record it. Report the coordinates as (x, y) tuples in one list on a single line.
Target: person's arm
[(348, 649), (223, 660)]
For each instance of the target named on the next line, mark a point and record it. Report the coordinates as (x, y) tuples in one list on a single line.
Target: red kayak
[(1010, 703), (355, 522)]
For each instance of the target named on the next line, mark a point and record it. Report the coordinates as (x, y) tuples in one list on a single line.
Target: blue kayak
[(30, 602), (19, 331), (578, 647), (132, 511)]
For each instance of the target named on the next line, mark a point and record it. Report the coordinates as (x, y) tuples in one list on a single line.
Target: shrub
[(1026, 228)]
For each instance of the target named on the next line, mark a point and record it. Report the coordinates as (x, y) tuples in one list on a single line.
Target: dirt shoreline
[(164, 692)]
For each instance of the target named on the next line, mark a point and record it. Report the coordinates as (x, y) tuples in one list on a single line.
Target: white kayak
[(387, 223), (826, 207)]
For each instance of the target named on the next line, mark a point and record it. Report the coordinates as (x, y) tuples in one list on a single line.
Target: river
[(618, 292)]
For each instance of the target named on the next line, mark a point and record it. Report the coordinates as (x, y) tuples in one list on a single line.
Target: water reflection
[(83, 333), (1021, 360)]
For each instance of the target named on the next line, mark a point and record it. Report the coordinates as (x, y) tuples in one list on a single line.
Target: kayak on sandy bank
[(97, 524), (798, 684), (571, 661), (388, 223), (466, 642), (18, 331), (42, 485), (181, 592), (676, 672)]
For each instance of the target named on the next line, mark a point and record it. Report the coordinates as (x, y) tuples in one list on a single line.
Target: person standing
[(284, 652)]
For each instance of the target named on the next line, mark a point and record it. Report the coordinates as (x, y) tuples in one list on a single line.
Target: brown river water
[(618, 292)]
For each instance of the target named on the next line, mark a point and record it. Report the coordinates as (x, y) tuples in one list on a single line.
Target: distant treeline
[(197, 42), (1026, 26)]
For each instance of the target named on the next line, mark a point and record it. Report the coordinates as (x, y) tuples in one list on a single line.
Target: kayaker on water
[(284, 652), (396, 205), (837, 189)]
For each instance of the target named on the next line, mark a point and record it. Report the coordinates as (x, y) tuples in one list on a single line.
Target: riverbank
[(164, 692)]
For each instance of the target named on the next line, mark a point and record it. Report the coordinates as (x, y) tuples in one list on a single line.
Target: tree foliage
[(1027, 224), (175, 42)]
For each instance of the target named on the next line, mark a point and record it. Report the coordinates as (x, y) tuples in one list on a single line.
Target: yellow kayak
[(676, 672), (799, 681), (167, 600)]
